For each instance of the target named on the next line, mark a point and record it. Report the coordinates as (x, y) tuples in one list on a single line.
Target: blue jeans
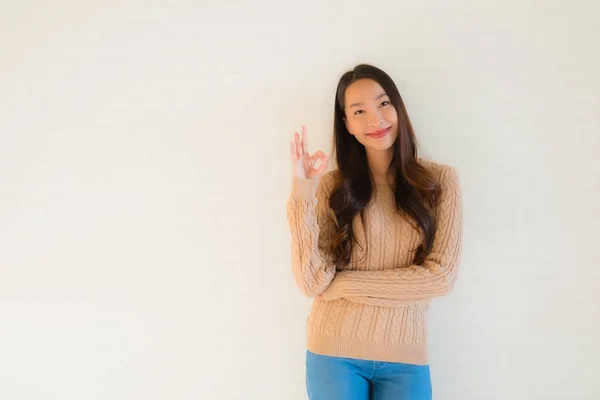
[(337, 378)]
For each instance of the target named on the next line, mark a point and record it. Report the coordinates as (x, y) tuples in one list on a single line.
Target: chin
[(380, 146)]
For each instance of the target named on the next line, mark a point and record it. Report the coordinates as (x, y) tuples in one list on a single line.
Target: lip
[(380, 133)]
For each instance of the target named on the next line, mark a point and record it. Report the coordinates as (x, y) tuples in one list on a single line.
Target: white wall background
[(144, 169)]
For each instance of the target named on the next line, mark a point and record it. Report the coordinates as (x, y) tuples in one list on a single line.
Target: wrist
[(304, 188)]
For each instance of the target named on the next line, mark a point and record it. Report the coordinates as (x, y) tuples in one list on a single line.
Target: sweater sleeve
[(435, 277), (311, 221)]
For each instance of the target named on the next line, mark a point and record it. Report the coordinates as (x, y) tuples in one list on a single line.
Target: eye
[(383, 103)]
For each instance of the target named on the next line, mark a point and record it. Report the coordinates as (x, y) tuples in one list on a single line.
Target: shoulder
[(444, 173)]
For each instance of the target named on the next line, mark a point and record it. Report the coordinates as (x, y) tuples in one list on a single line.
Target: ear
[(347, 126)]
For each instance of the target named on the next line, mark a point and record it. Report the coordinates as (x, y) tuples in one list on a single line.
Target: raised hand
[(303, 164)]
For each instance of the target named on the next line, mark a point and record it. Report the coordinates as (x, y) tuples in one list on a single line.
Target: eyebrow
[(361, 103)]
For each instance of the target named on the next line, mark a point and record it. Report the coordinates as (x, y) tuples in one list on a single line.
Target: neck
[(379, 162)]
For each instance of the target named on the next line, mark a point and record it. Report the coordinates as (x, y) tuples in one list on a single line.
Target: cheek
[(355, 125), (391, 115)]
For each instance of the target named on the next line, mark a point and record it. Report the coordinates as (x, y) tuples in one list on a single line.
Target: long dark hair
[(415, 188)]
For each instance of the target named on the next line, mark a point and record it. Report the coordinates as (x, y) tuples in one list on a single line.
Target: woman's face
[(370, 115)]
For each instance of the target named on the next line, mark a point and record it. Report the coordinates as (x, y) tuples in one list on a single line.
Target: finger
[(319, 159), (322, 167), (319, 154), (293, 151), (294, 142), (304, 140), (298, 144)]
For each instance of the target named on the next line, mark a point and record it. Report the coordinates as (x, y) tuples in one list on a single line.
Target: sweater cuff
[(304, 188), (336, 289)]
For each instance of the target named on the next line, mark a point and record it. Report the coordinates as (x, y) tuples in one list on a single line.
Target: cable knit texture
[(376, 307)]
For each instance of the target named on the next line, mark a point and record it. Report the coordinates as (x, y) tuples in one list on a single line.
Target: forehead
[(363, 90)]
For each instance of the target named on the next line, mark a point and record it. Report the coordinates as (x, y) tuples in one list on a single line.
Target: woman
[(373, 241)]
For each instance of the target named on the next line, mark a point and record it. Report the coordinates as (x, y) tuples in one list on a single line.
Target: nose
[(375, 120)]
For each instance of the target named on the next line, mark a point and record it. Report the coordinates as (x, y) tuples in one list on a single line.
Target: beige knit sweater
[(376, 307)]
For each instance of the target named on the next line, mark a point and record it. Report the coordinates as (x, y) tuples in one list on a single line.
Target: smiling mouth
[(379, 133)]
